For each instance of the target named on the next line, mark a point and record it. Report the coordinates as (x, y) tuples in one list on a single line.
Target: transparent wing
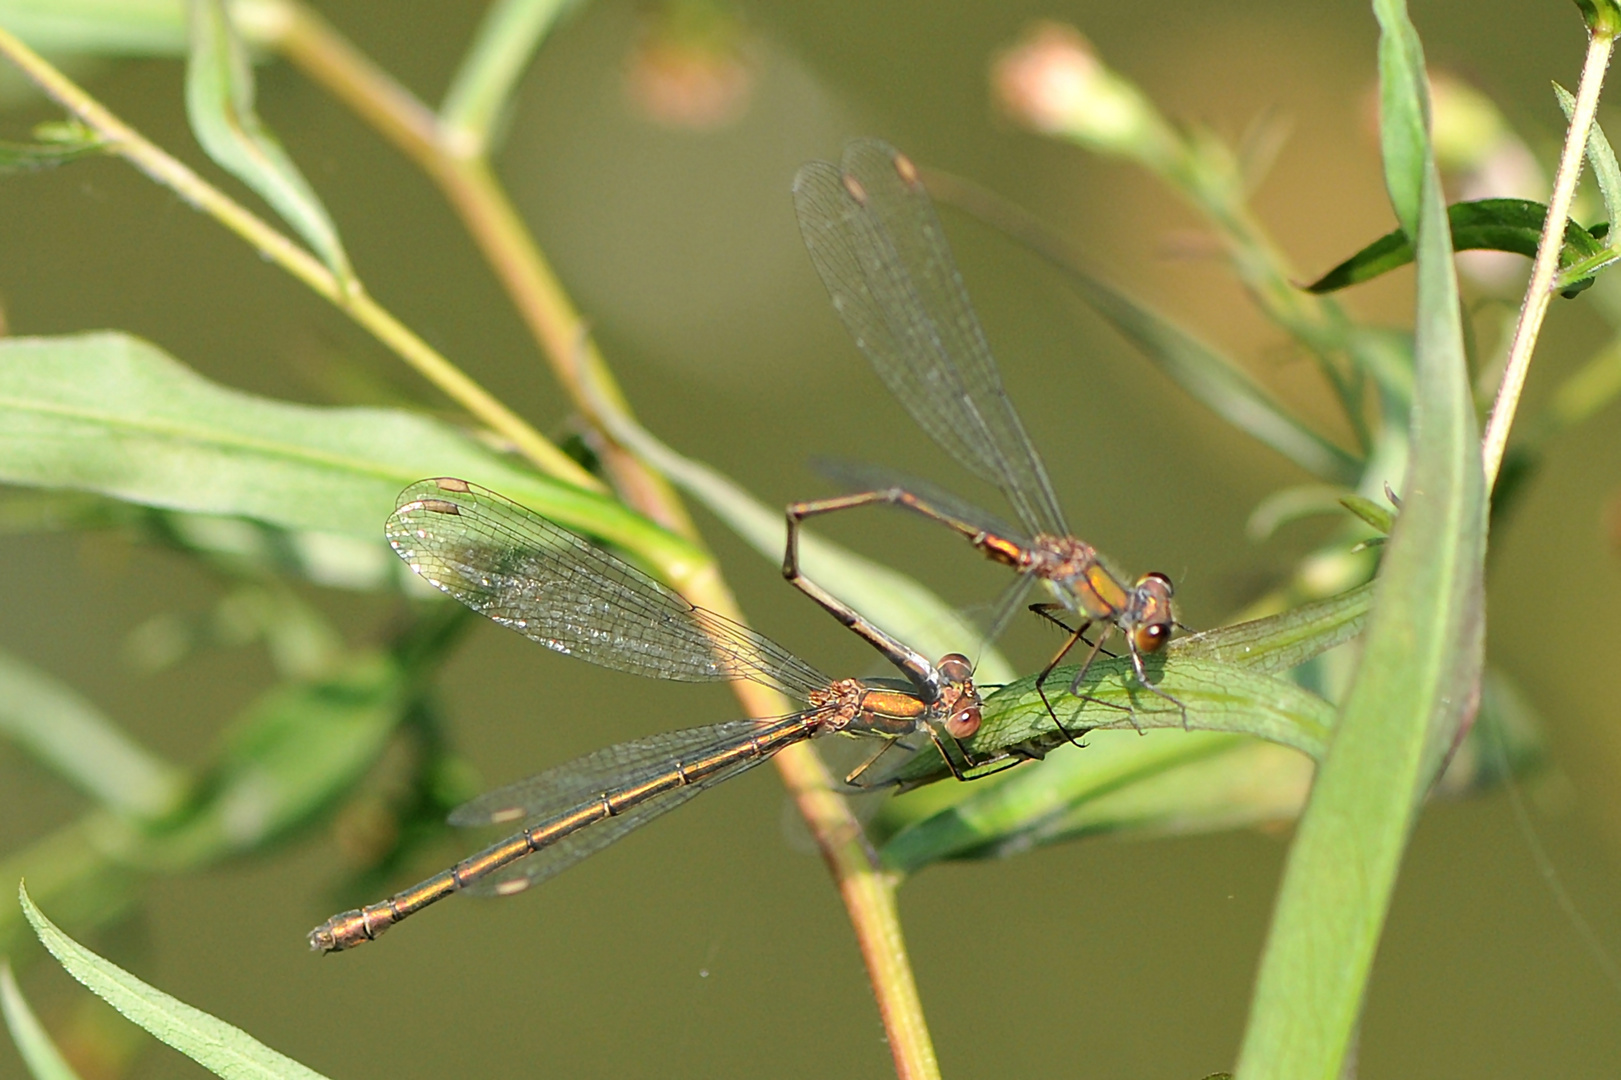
[(582, 784), (877, 243), (526, 573)]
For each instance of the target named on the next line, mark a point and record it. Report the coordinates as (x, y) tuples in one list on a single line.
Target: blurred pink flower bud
[(1053, 83)]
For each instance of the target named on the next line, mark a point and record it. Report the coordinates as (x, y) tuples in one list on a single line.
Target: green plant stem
[(126, 142), (1545, 268), (473, 191), (467, 183)]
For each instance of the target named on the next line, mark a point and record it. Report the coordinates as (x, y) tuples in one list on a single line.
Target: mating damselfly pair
[(874, 237)]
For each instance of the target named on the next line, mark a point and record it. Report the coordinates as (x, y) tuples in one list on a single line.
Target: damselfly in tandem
[(877, 243), (533, 576)]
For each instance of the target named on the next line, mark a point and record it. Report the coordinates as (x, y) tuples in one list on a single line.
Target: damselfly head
[(1152, 619), (959, 698)]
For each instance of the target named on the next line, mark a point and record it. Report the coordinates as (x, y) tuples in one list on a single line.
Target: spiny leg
[(1077, 634)]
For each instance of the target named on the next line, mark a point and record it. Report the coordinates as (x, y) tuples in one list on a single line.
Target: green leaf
[(212, 1043), (1404, 111), (1416, 688), (892, 600), (1119, 783), (1600, 158), (59, 144), (1163, 782), (219, 104), (1513, 225), (507, 38), (1286, 640), (38, 1052), (112, 414), (1225, 678), (1167, 778), (1370, 512), (114, 27), (71, 736)]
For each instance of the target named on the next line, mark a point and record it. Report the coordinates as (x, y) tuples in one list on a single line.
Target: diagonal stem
[(474, 192), (1544, 270), (274, 245)]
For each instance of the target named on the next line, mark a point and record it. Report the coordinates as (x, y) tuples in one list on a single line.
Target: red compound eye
[(963, 723)]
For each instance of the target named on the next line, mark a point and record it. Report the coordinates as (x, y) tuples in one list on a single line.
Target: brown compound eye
[(964, 723), (1151, 639), (1153, 613), (955, 668)]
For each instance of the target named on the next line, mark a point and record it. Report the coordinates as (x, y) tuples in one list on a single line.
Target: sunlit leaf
[(112, 414), (212, 1043), (1418, 682), (1225, 681)]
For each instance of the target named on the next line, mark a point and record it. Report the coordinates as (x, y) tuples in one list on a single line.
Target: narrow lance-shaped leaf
[(113, 414), (1416, 687), (1237, 693), (1600, 158), (1225, 679), (1513, 225), (219, 103), (1404, 112), (217, 1046)]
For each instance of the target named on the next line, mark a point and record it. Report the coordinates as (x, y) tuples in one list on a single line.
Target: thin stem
[(129, 144), (1539, 293), (472, 189), (311, 44)]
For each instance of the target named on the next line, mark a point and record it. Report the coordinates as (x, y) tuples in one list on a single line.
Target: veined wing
[(873, 234), (526, 573), (584, 783)]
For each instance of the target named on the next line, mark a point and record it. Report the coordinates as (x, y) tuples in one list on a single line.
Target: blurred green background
[(713, 944)]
